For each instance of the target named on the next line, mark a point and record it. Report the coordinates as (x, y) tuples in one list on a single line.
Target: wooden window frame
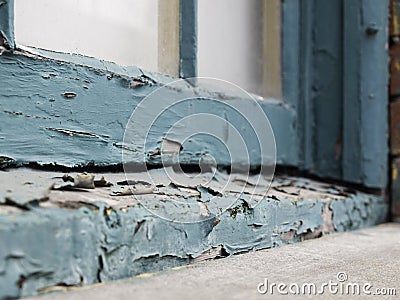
[(299, 121)]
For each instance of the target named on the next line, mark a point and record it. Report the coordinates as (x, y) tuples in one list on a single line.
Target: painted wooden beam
[(343, 74), (326, 89), (64, 113), (7, 24), (365, 93), (304, 85), (290, 38), (188, 38)]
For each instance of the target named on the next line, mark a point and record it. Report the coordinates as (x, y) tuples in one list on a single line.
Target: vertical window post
[(188, 39), (272, 74), (7, 24)]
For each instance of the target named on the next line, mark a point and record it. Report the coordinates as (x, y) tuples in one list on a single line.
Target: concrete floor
[(366, 256)]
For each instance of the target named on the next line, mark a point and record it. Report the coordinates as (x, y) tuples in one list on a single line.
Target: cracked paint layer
[(81, 236), (53, 114)]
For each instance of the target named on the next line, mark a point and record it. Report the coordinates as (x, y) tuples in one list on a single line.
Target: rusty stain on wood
[(395, 69), (395, 127), (395, 190)]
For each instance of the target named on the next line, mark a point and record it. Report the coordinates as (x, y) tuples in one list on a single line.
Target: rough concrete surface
[(366, 256)]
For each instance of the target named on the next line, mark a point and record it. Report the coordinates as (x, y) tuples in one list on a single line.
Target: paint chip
[(136, 83), (69, 95), (71, 132), (102, 183), (170, 146), (132, 187), (84, 181)]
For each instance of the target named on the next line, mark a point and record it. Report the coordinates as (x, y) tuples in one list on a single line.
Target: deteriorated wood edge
[(395, 189), (50, 247), (395, 127)]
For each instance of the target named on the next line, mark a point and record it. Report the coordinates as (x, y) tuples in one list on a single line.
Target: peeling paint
[(357, 211), (69, 95), (75, 238), (170, 146), (87, 119)]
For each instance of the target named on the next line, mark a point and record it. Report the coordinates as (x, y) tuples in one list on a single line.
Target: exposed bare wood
[(168, 37)]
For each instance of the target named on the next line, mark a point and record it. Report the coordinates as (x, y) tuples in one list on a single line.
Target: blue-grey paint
[(188, 38), (356, 212), (290, 12), (351, 96), (39, 124), (320, 135), (60, 247), (326, 94), (305, 109), (7, 23), (365, 94), (343, 73), (47, 247)]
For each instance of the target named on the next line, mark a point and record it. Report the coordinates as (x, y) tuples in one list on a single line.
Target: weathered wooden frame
[(303, 126), (343, 130), (117, 89)]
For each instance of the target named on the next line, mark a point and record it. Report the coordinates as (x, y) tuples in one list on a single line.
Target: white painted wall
[(230, 41), (126, 32), (122, 31)]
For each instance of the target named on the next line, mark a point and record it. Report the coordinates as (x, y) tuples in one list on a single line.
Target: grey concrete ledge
[(63, 238)]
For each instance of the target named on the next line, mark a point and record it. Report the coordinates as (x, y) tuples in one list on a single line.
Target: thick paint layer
[(50, 248), (68, 114)]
